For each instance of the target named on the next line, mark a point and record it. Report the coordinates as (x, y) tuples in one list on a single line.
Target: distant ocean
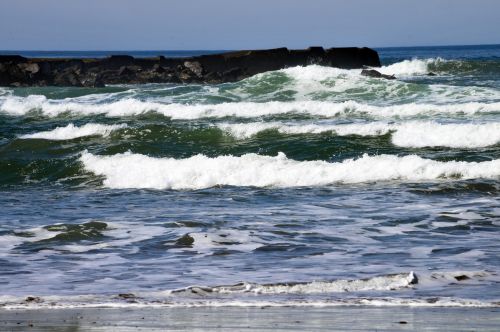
[(304, 186)]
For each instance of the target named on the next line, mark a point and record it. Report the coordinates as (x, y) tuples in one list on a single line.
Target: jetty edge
[(18, 71)]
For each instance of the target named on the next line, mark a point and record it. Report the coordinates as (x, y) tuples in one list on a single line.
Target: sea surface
[(304, 186)]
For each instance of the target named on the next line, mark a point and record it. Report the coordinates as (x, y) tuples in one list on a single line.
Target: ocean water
[(304, 186)]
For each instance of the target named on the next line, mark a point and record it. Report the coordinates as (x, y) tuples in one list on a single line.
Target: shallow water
[(304, 185)]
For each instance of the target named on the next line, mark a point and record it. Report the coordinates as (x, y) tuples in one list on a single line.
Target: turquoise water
[(308, 185)]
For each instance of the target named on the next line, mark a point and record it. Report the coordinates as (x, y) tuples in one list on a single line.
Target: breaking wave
[(382, 283), (131, 107), (464, 135), (71, 132), (139, 171), (248, 294), (410, 134), (411, 67)]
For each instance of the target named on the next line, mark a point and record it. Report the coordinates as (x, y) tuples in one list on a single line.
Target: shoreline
[(253, 319)]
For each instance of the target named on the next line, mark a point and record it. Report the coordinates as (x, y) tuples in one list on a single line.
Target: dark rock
[(45, 68), (352, 57), (67, 78), (186, 240), (186, 76), (414, 279), (232, 74), (117, 61), (195, 67), (12, 58), (462, 277), (33, 299), (128, 73), (376, 74), (31, 68), (315, 55), (214, 68), (158, 68), (127, 296), (93, 81), (213, 77), (431, 74)]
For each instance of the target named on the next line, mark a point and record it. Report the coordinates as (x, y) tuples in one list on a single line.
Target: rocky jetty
[(215, 68)]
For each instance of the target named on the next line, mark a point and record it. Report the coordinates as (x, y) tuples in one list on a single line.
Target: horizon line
[(217, 50)]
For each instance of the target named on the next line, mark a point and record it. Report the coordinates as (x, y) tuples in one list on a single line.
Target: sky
[(237, 24)]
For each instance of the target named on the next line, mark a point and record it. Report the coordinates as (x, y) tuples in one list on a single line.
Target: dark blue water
[(308, 185), (386, 53)]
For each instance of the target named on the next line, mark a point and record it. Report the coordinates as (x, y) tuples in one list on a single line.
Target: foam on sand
[(129, 170), (71, 132)]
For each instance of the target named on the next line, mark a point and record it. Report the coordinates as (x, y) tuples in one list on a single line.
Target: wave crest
[(139, 171), (132, 107), (71, 132), (382, 283), (411, 67), (412, 134)]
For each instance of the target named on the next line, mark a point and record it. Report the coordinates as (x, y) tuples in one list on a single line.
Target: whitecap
[(462, 135), (129, 170), (131, 107), (410, 67), (413, 134), (71, 132)]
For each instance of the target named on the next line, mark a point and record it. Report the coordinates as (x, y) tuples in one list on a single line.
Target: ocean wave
[(464, 135), (382, 283), (131, 107), (247, 130), (410, 134), (71, 132), (129, 170), (247, 294), (402, 68), (411, 67)]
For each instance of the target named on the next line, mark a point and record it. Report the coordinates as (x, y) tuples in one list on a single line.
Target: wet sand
[(253, 319)]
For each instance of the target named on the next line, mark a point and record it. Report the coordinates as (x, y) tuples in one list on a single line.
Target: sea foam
[(380, 283), (132, 107), (71, 132), (463, 135), (139, 171), (413, 134), (410, 67)]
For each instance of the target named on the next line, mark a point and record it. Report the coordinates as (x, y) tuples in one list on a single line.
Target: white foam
[(410, 67), (139, 171), (409, 134), (464, 135), (382, 283), (71, 131), (246, 130), (10, 241), (91, 301), (131, 107), (206, 242), (247, 294)]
